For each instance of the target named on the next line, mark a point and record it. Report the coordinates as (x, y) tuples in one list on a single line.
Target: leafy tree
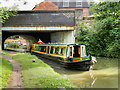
[(92, 7), (107, 9), (108, 14), (6, 12), (103, 38)]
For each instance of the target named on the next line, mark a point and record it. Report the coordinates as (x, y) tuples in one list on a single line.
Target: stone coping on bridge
[(39, 28)]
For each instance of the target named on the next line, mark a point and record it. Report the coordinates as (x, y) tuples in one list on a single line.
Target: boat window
[(48, 49), (37, 48), (73, 51), (70, 51), (40, 48), (57, 50), (51, 51), (79, 49), (43, 48), (62, 51), (83, 53)]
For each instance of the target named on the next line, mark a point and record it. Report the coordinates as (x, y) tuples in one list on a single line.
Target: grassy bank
[(5, 72), (40, 75), (4, 53)]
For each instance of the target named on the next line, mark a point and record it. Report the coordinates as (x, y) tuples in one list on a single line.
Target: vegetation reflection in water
[(104, 74)]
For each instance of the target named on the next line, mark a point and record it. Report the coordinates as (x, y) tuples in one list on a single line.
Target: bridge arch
[(30, 37), (29, 40)]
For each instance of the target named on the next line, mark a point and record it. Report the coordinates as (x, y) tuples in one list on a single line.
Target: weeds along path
[(16, 77)]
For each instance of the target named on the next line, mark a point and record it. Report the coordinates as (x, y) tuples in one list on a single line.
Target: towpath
[(16, 77)]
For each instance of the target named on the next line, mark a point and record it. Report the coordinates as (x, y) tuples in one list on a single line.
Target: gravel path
[(16, 77)]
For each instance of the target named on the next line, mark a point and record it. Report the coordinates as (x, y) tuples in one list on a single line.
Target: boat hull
[(66, 62)]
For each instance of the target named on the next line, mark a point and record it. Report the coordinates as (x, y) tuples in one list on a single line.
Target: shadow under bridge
[(30, 37)]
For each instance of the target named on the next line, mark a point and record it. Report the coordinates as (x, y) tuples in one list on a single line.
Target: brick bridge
[(49, 26)]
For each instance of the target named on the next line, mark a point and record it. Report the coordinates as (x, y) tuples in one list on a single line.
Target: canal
[(104, 74)]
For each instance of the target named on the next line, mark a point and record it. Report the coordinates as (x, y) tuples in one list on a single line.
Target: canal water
[(104, 74)]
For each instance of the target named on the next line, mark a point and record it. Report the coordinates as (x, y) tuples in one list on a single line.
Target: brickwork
[(85, 10), (46, 5)]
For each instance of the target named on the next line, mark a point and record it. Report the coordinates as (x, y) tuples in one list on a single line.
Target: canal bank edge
[(40, 75)]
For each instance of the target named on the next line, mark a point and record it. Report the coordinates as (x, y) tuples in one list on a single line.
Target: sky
[(30, 3), (20, 4)]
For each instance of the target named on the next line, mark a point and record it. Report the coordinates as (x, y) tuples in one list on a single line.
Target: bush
[(13, 45), (102, 39), (5, 53)]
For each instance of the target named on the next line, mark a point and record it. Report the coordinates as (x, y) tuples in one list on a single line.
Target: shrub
[(101, 39), (13, 45)]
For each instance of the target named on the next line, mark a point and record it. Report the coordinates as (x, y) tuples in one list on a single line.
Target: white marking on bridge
[(42, 28)]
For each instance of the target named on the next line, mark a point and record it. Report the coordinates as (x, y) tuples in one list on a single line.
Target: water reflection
[(104, 74), (92, 75), (105, 78)]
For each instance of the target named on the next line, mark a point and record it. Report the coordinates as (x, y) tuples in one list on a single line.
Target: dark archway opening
[(30, 36), (19, 42)]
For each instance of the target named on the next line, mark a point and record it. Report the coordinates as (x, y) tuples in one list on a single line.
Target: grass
[(40, 75), (5, 53), (5, 72)]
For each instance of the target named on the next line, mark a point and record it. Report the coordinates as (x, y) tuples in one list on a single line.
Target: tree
[(104, 40), (108, 15), (6, 12), (107, 9)]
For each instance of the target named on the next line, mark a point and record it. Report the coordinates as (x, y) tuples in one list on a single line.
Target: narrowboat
[(73, 56)]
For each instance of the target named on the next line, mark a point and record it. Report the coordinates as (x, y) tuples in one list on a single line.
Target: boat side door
[(83, 50), (70, 51)]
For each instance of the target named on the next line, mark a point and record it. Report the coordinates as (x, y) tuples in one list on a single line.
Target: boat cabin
[(77, 51)]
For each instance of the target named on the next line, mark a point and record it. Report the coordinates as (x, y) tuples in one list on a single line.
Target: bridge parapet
[(42, 18)]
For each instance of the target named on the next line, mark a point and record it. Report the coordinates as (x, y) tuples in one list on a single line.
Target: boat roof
[(58, 44)]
